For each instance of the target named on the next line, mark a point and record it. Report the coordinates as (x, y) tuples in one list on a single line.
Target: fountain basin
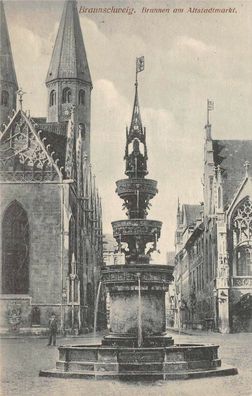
[(127, 187), (123, 363), (121, 282), (146, 229)]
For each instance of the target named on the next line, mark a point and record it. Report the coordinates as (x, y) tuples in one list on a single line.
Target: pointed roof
[(191, 214), (231, 155), (136, 128), (7, 69), (69, 59)]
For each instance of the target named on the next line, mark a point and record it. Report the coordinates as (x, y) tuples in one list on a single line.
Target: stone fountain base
[(118, 356), (130, 363)]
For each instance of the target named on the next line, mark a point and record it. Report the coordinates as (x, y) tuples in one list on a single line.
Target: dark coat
[(53, 325)]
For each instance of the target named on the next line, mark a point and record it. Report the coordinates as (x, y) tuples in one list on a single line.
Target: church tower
[(8, 79), (68, 79)]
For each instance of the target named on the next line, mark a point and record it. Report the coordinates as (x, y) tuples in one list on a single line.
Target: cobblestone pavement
[(21, 360)]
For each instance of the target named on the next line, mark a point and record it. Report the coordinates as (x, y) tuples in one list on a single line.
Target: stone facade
[(50, 209), (213, 264)]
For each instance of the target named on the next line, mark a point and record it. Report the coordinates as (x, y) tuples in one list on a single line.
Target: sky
[(188, 58)]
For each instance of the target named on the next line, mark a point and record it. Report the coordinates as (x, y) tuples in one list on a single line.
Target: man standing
[(52, 330)]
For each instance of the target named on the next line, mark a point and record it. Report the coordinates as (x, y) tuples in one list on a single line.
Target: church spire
[(136, 121), (8, 79), (68, 79), (69, 59)]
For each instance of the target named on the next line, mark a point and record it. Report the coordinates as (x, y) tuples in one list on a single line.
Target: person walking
[(52, 330)]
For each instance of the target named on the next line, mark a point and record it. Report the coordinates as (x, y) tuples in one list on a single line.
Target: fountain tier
[(123, 363), (124, 282)]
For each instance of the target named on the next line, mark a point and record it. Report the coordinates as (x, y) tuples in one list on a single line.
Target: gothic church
[(50, 209)]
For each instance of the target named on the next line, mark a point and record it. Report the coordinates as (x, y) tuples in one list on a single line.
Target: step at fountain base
[(145, 376), (148, 363)]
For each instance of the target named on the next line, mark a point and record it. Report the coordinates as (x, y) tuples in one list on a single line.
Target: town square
[(125, 207)]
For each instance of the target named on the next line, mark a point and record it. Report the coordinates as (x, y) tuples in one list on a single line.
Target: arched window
[(82, 131), (72, 241), (15, 234), (242, 222), (219, 198), (35, 316), (206, 260), (53, 98), (244, 261), (5, 98), (242, 238), (66, 95), (81, 97), (210, 259)]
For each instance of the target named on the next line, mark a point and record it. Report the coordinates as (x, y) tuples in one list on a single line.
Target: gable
[(191, 213), (23, 155), (231, 156)]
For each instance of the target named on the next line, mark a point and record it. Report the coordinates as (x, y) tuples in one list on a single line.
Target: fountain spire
[(136, 162), (136, 191)]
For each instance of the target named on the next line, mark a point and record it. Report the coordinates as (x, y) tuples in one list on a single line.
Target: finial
[(20, 94), (246, 166), (218, 172), (210, 107)]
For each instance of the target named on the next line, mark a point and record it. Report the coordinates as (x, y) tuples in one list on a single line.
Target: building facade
[(51, 216), (213, 263)]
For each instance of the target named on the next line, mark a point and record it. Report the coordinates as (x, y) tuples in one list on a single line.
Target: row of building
[(213, 244)]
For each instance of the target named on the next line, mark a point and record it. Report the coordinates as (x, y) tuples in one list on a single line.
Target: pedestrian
[(52, 330)]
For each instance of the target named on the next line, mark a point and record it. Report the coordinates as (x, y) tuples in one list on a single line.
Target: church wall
[(42, 203)]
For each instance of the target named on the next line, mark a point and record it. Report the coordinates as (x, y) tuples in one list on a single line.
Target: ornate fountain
[(137, 346), (137, 289)]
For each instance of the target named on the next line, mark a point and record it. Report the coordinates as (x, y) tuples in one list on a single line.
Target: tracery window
[(242, 222), (4, 98), (242, 238), (53, 98), (66, 95), (15, 234)]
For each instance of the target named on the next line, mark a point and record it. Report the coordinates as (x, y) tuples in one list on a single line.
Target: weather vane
[(139, 65)]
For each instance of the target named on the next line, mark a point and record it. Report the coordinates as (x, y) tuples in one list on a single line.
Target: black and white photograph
[(126, 197)]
